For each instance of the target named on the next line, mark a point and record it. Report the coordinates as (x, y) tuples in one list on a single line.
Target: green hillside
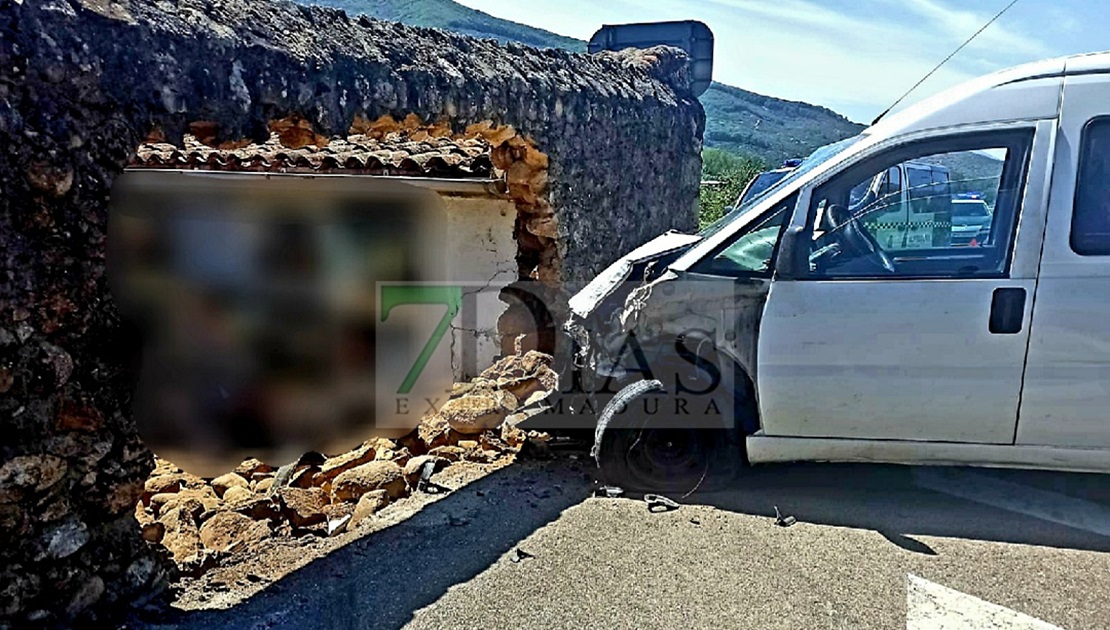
[(737, 121), (771, 128)]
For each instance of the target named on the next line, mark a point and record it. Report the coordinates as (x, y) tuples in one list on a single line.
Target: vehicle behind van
[(971, 220), (766, 180), (908, 206)]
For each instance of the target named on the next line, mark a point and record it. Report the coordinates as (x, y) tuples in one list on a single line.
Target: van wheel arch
[(722, 449)]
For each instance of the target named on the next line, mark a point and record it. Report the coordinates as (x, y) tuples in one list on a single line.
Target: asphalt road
[(873, 547)]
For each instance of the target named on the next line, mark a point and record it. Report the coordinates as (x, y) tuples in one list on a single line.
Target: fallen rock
[(251, 467), (338, 517), (518, 366), (158, 502), (532, 389), (181, 535), (262, 486), (143, 515), (230, 480), (162, 484), (55, 509), (481, 456), (489, 441), (335, 466), (512, 435), (401, 456), (477, 412), (303, 507), (338, 510), (153, 531), (449, 453), (197, 501), (368, 505), (236, 495), (260, 509), (415, 466), (381, 444), (225, 529), (433, 431), (376, 475), (462, 389), (164, 467), (87, 594), (304, 477)]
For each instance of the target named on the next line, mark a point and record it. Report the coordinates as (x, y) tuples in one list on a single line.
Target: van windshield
[(817, 158)]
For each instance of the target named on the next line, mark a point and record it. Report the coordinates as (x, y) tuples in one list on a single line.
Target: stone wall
[(83, 82)]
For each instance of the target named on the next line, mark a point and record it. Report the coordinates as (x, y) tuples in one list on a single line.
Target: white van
[(851, 345)]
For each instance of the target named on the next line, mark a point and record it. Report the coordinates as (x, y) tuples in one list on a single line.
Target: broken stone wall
[(83, 82)]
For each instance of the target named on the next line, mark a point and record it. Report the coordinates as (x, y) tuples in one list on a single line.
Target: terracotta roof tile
[(395, 154)]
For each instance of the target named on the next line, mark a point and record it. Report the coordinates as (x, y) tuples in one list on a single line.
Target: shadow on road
[(387, 576), (1062, 510), (383, 579)]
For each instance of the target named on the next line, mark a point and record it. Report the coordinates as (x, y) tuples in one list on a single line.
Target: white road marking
[(930, 606), (1043, 504)]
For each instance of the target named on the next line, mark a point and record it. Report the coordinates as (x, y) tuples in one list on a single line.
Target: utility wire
[(946, 59)]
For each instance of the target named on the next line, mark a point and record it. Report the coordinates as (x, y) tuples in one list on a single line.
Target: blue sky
[(853, 56)]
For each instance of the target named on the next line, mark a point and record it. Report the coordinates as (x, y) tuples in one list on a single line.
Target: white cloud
[(963, 24)]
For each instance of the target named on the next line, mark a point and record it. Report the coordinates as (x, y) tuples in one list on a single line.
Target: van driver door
[(914, 338)]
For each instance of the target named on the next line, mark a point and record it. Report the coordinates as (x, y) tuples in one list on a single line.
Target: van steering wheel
[(857, 238)]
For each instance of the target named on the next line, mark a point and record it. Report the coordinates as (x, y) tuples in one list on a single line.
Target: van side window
[(954, 216), (1090, 221)]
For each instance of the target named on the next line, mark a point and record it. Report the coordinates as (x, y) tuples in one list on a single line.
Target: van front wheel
[(643, 452)]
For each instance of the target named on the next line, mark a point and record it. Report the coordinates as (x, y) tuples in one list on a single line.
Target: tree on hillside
[(724, 176)]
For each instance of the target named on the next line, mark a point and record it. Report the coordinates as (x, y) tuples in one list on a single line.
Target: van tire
[(638, 457)]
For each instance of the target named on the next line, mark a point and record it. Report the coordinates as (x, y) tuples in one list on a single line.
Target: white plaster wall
[(481, 256)]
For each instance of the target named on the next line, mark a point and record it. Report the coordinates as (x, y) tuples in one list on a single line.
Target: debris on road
[(609, 492), (425, 483), (783, 521), (520, 555), (659, 503)]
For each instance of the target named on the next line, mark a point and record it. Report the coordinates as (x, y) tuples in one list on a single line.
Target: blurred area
[(253, 300)]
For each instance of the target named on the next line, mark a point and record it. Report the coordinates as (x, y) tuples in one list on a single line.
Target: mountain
[(771, 128), (737, 120)]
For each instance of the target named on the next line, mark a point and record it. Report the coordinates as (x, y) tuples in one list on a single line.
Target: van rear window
[(1090, 222)]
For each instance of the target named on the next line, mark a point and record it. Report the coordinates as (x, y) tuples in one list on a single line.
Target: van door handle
[(1007, 311)]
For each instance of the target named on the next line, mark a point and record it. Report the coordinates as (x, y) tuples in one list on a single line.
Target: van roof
[(1027, 92)]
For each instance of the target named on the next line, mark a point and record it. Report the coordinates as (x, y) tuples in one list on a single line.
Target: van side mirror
[(793, 260)]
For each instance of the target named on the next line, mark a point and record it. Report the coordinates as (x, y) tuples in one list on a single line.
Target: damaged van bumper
[(640, 320)]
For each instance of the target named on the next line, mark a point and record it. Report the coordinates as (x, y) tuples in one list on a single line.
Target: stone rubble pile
[(203, 521)]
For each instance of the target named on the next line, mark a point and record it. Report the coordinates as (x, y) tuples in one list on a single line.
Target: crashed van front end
[(607, 312), (660, 371), (642, 320)]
